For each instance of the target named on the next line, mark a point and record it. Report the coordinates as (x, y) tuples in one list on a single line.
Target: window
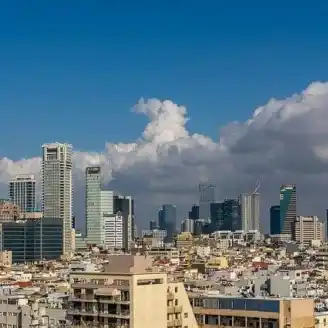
[(176, 302), (185, 315), (176, 289)]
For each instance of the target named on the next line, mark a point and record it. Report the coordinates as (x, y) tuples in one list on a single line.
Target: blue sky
[(71, 70)]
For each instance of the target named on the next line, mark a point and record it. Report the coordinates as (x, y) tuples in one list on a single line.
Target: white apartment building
[(22, 192), (308, 228), (114, 231), (57, 187)]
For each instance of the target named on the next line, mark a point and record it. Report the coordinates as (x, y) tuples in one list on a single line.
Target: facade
[(308, 229), (275, 220), (8, 211), (127, 295), (94, 226), (22, 192), (99, 206), (194, 212), (125, 206), (206, 197), (250, 211), (57, 188), (33, 240), (288, 210), (114, 231), (188, 226), (218, 311), (152, 225), (168, 220)]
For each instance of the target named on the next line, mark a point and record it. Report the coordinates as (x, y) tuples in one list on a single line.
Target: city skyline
[(255, 101)]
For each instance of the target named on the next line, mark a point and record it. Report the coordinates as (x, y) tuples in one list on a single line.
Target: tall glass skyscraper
[(276, 225), (99, 205), (168, 220), (22, 192), (206, 197), (57, 187), (250, 211), (288, 210)]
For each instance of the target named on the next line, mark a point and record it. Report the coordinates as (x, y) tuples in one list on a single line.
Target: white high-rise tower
[(57, 187)]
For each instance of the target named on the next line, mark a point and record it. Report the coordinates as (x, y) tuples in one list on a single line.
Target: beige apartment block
[(6, 258), (258, 312), (127, 294)]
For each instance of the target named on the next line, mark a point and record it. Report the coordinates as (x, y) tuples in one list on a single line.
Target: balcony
[(178, 309), (170, 310), (170, 296), (82, 298), (119, 315), (112, 300)]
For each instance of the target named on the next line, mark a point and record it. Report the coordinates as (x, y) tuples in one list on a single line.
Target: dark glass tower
[(275, 220), (288, 211), (33, 240), (167, 218)]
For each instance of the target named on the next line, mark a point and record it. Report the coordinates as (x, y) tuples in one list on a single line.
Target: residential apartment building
[(114, 237), (128, 295), (57, 188), (8, 210), (228, 311), (308, 229), (22, 192)]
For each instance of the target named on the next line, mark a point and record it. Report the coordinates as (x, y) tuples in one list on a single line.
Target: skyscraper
[(168, 220), (125, 206), (250, 211), (57, 187), (22, 192), (288, 211), (276, 225), (206, 197)]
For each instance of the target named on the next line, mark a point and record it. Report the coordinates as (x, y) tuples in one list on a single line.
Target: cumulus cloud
[(284, 141)]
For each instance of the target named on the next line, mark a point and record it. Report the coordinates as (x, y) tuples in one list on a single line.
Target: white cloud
[(283, 141)]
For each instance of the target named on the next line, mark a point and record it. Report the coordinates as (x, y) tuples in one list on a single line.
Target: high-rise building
[(188, 225), (57, 187), (152, 225), (33, 240), (308, 229), (206, 197), (114, 231), (250, 211), (22, 192), (168, 220), (125, 206), (288, 211), (194, 212), (99, 206), (276, 225)]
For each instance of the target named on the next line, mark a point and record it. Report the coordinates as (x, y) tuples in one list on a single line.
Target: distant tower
[(206, 197), (22, 192), (57, 187), (288, 211), (275, 223), (250, 210)]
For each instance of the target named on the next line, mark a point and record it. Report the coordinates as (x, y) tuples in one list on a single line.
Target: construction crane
[(257, 187)]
